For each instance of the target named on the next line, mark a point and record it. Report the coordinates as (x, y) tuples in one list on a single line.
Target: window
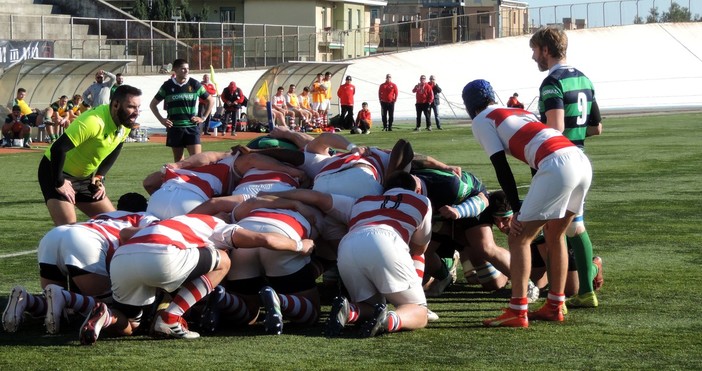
[(358, 18), (483, 17), (227, 15), (350, 16)]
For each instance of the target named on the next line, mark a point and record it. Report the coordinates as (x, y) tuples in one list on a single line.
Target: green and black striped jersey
[(569, 89)]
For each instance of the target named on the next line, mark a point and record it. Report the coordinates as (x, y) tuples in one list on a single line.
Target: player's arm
[(58, 157), (594, 121), (555, 118), (244, 239), (199, 159), (107, 163), (427, 162), (153, 182), (157, 112), (322, 201), (217, 205), (208, 107), (324, 141), (419, 241), (469, 208), (506, 179)]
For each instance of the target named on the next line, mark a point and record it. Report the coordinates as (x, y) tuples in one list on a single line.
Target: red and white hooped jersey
[(290, 221), (185, 232), (377, 160), (519, 133), (209, 180), (108, 225), (256, 176), (400, 209)]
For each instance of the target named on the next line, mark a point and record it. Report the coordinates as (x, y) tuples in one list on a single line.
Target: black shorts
[(180, 137), (48, 188)]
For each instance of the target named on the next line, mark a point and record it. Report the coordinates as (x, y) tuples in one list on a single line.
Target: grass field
[(642, 214)]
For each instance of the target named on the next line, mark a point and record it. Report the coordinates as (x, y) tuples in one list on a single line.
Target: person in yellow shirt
[(35, 116), (75, 107), (292, 101), (306, 105), (60, 118), (72, 172)]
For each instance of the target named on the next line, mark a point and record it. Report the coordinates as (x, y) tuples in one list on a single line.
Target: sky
[(602, 13)]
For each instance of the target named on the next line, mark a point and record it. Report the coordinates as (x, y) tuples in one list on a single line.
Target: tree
[(676, 13), (652, 15), (140, 9)]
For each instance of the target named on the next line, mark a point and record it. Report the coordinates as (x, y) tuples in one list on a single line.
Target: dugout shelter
[(299, 73), (46, 79)]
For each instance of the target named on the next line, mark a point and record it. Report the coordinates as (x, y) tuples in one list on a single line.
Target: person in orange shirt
[(319, 96), (345, 93), (387, 93), (363, 119)]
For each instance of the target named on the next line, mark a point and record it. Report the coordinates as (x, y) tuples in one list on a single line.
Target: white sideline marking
[(18, 254)]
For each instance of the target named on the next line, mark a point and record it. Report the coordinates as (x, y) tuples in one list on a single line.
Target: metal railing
[(606, 13), (154, 44)]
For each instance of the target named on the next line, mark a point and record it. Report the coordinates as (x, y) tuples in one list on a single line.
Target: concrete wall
[(654, 67), (287, 12)]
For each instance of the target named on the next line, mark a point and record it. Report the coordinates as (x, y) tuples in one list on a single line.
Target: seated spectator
[(74, 107), (292, 103), (279, 108), (513, 102), (59, 118), (363, 119), (16, 126), (35, 116), (306, 105)]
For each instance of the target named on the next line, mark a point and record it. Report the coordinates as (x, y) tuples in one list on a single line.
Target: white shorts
[(260, 261), (560, 184), (250, 190), (137, 271), (170, 200), (76, 246), (376, 260), (355, 182), (320, 106)]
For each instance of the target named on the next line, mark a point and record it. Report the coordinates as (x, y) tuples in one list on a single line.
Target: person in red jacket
[(345, 93), (425, 96), (233, 98), (363, 119), (388, 96), (514, 102)]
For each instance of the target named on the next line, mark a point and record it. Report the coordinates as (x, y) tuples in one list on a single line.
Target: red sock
[(519, 305), (555, 300), (189, 294)]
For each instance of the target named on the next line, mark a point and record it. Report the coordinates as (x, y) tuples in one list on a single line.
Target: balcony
[(442, 3)]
